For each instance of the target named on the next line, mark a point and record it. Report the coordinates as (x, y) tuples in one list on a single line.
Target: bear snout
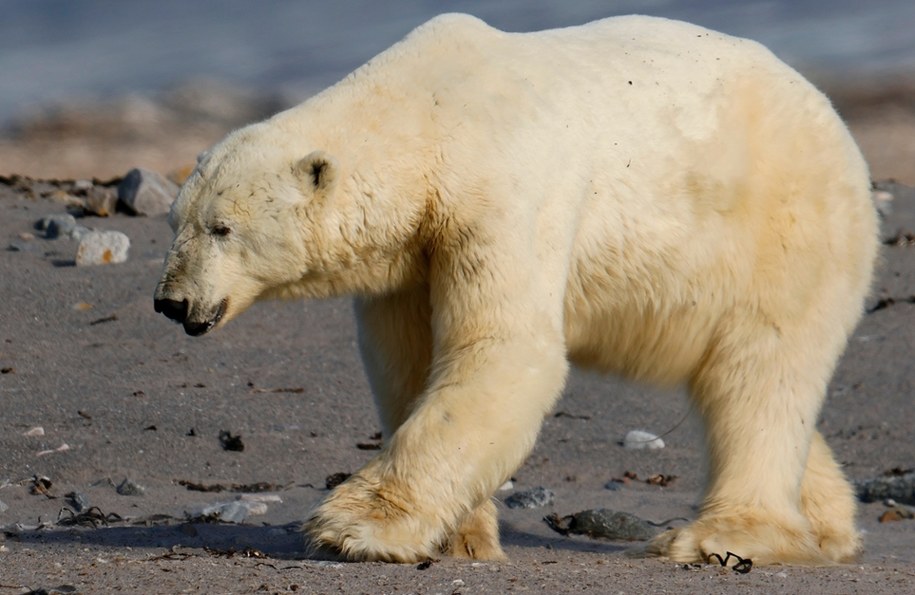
[(194, 325), (172, 309)]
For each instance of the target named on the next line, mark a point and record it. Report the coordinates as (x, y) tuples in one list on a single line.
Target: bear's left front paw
[(364, 520)]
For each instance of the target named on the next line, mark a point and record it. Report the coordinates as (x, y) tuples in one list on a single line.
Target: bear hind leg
[(759, 392)]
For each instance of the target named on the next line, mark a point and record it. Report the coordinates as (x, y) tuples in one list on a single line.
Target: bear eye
[(220, 230)]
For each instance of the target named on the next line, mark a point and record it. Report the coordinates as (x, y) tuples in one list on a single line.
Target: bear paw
[(364, 520), (750, 535)]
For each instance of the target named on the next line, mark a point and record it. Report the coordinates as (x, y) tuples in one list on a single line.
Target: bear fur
[(636, 195)]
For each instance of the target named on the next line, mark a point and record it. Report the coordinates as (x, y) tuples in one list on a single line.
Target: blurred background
[(95, 87)]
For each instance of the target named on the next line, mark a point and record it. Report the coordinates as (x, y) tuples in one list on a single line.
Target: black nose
[(173, 309)]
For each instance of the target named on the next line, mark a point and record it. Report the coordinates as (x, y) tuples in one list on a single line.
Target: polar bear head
[(252, 218)]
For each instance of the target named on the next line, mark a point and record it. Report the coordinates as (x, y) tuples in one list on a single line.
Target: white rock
[(36, 431), (62, 448), (641, 440), (260, 498), (102, 247), (507, 486), (235, 511)]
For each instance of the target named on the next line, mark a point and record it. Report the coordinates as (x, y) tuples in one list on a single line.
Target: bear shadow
[(519, 538), (274, 541), (282, 542)]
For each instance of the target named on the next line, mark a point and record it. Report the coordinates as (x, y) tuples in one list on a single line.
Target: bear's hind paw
[(709, 540)]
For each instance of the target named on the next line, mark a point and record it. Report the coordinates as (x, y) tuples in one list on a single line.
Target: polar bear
[(636, 195)]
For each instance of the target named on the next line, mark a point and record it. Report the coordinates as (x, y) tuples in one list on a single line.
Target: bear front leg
[(468, 433), (395, 340), (497, 367)]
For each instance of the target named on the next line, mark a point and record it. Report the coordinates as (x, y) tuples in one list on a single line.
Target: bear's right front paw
[(364, 520)]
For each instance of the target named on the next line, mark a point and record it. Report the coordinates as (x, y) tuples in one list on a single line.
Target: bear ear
[(317, 170)]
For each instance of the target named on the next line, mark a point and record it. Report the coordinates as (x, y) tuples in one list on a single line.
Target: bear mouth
[(196, 329)]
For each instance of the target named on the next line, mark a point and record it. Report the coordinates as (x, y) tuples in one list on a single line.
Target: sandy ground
[(84, 357)]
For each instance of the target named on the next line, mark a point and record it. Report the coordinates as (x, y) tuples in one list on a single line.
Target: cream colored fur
[(636, 195)]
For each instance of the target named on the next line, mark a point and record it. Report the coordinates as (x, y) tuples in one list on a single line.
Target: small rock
[(896, 512), (641, 440), (36, 431), (79, 232), (603, 524), (507, 486), (25, 236), (235, 511), (533, 498), (62, 448), (3, 506), (145, 192), (335, 479), (883, 200), (900, 487), (101, 201), (55, 226), (21, 246), (260, 498), (102, 247), (129, 487), (614, 485), (78, 500), (230, 441)]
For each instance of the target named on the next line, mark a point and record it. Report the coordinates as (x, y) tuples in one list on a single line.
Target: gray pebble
[(79, 232), (533, 498), (145, 192), (102, 247), (129, 487), (900, 488), (603, 523), (55, 226), (614, 485), (79, 501), (21, 246)]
